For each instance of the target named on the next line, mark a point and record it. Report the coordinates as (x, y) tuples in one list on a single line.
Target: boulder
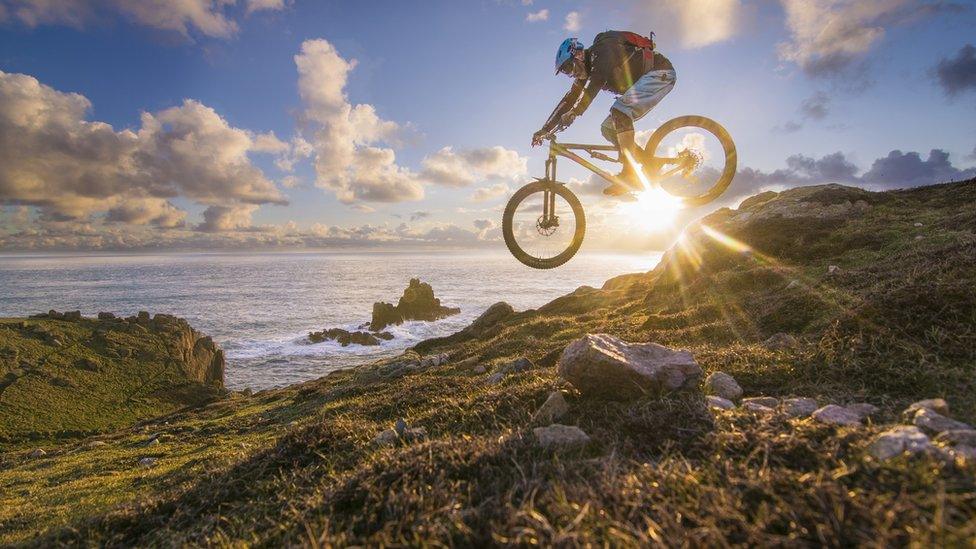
[(558, 436), (833, 270), (518, 365), (965, 437), (147, 462), (757, 407), (864, 410), (495, 378), (768, 402), (722, 385), (492, 315), (343, 337), (554, 408), (933, 422), (833, 414), (388, 437), (416, 303), (719, 403), (38, 453), (780, 341), (799, 407), (606, 366), (106, 316), (937, 405), (72, 315), (897, 441)]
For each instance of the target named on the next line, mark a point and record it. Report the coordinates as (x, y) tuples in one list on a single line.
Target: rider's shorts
[(639, 99)]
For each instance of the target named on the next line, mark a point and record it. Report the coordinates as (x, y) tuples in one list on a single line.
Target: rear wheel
[(696, 166), (543, 224)]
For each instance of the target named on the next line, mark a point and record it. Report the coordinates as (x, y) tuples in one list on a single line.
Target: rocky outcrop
[(345, 337), (416, 303), (202, 359), (606, 366), (492, 316)]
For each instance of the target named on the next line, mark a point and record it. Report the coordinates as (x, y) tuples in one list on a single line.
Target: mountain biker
[(621, 62)]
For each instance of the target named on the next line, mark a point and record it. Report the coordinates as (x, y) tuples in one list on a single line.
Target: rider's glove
[(567, 119), (537, 138)]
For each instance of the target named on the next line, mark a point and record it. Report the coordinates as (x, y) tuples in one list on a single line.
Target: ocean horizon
[(260, 306)]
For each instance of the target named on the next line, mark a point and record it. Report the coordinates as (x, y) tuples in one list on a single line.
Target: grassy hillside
[(67, 376), (893, 322)]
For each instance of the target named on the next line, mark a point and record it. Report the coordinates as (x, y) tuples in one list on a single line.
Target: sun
[(654, 210)]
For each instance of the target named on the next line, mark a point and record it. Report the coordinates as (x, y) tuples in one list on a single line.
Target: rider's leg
[(633, 105), (629, 154)]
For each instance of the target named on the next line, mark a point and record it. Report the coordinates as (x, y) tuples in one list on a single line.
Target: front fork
[(549, 217)]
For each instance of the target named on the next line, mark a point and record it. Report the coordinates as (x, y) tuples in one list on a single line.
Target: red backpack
[(643, 43)]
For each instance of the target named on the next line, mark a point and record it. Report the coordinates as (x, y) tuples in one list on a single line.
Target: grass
[(295, 465), (69, 378)]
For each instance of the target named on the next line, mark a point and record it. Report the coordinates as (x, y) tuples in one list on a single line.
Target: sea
[(259, 307)]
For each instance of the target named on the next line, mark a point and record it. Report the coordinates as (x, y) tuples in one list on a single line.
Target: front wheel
[(543, 224), (691, 157)]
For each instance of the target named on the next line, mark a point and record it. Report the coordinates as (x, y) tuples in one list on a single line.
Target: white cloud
[(265, 5), (343, 134), (541, 15), (185, 17), (692, 23), (52, 158), (827, 36), (226, 218), (573, 21), (461, 168), (482, 194)]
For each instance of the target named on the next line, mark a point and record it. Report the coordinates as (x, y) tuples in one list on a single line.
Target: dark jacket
[(612, 64)]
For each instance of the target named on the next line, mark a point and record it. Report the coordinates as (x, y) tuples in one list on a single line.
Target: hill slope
[(64, 375), (894, 322)]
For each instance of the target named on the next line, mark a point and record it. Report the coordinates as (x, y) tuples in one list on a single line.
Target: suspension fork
[(548, 196)]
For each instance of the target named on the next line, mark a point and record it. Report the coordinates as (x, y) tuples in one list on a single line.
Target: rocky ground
[(798, 371)]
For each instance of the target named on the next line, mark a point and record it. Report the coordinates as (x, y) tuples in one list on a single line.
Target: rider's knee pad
[(621, 122)]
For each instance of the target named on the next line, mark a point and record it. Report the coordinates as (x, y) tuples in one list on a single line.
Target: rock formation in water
[(416, 303)]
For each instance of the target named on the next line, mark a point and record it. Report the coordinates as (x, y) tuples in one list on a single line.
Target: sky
[(283, 124)]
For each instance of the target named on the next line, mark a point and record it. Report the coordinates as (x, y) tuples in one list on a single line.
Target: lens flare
[(654, 209)]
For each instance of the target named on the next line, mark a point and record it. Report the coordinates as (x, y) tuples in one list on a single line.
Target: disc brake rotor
[(547, 229)]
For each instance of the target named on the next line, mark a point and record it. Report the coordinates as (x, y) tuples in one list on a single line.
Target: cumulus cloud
[(418, 215), (482, 194), (541, 15), (900, 169), (816, 107), (829, 37), (52, 158), (958, 74), (343, 135), (691, 23), (226, 218), (147, 211), (574, 22), (184, 17), (461, 168)]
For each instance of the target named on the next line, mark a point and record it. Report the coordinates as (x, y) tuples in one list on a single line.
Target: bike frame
[(557, 149)]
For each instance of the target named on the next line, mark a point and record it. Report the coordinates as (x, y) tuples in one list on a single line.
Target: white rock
[(723, 385), (919, 237), (933, 422), (719, 403), (799, 407), (757, 407), (833, 414), (768, 402), (607, 366), (552, 409), (780, 341), (964, 437), (147, 461), (863, 409), (39, 453), (793, 284), (833, 269), (96, 444), (917, 224), (897, 441), (388, 437), (937, 405), (561, 436), (495, 378)]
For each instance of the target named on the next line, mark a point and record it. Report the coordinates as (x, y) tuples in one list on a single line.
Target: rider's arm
[(593, 87), (564, 106)]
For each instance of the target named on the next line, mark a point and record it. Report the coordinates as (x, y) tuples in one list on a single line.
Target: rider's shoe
[(615, 189)]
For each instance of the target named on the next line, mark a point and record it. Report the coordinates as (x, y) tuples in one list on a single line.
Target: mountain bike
[(537, 225)]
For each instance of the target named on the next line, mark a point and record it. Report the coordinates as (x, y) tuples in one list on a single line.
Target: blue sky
[(473, 76)]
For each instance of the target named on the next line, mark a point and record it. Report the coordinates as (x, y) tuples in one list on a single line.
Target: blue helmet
[(566, 51)]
